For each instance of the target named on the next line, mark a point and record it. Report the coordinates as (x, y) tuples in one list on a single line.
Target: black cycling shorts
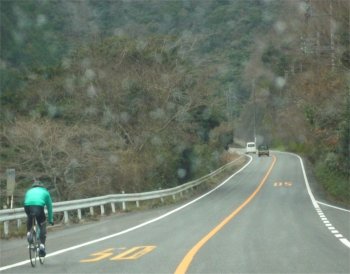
[(37, 211)]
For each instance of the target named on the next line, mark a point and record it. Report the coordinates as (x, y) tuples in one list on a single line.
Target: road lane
[(279, 231), (59, 238), (187, 260)]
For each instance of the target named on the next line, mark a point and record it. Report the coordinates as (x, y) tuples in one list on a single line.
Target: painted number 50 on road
[(129, 254)]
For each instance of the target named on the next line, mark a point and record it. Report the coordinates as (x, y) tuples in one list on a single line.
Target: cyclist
[(36, 198)]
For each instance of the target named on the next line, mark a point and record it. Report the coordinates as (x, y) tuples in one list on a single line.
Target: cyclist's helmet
[(37, 183)]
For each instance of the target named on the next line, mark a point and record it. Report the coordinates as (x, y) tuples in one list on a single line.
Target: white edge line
[(332, 206), (308, 187), (134, 227), (314, 202), (345, 241)]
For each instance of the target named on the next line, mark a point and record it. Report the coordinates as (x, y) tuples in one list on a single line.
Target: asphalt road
[(261, 220)]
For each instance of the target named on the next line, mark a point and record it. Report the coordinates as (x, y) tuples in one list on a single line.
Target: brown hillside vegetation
[(117, 116)]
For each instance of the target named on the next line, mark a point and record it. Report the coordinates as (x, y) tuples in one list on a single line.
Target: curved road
[(263, 219)]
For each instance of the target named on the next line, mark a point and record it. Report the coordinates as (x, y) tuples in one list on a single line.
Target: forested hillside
[(104, 96), (300, 76)]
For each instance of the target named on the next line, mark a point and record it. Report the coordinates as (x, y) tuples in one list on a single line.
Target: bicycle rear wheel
[(33, 248)]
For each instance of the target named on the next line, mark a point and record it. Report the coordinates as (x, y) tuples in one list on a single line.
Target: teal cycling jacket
[(39, 196)]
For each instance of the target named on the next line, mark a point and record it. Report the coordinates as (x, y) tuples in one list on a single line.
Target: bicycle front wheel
[(33, 253), (33, 248)]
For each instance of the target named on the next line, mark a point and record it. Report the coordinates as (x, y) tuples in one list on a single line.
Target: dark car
[(263, 150)]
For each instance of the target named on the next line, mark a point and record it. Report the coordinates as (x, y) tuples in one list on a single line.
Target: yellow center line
[(186, 261)]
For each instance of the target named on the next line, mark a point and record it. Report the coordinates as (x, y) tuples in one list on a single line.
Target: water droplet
[(181, 173)]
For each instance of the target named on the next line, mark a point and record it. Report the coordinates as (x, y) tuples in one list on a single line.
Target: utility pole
[(312, 45), (254, 105), (331, 35), (230, 114)]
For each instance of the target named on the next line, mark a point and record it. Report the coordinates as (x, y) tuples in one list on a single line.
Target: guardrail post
[(65, 217), (79, 214), (174, 198), (124, 206), (113, 207), (161, 198), (123, 203), (6, 228), (102, 209), (137, 203), (19, 223), (91, 211)]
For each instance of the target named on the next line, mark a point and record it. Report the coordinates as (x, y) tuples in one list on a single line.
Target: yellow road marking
[(288, 184), (186, 261), (130, 254), (133, 253), (281, 184), (99, 256)]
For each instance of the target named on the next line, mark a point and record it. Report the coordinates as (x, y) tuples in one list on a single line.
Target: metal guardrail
[(18, 214)]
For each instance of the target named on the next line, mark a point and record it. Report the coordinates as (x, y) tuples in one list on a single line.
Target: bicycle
[(34, 244)]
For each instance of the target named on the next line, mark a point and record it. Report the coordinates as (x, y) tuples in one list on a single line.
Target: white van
[(250, 147)]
